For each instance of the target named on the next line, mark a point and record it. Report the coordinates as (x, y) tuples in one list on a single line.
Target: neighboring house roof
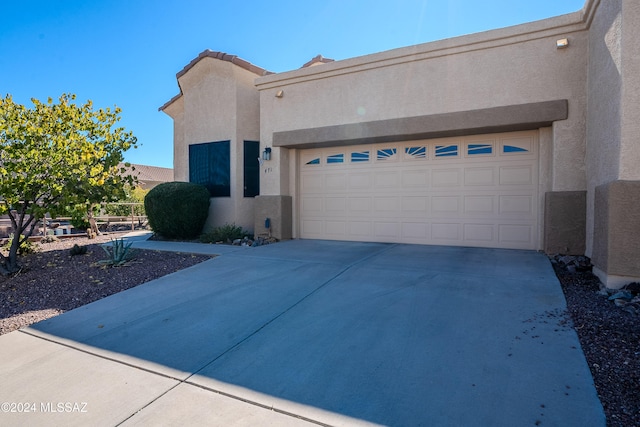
[(317, 60), (223, 57), (146, 173)]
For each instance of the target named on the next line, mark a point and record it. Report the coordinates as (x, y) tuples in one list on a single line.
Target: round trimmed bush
[(177, 210)]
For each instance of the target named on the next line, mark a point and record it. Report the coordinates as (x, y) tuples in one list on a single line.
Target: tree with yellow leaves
[(54, 158)]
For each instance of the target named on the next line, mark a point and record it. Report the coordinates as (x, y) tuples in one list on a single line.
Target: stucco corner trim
[(506, 118)]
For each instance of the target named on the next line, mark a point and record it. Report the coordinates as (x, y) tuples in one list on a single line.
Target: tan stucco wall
[(616, 252), (219, 102), (594, 144), (613, 132), (513, 66)]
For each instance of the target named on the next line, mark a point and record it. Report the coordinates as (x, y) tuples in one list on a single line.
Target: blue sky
[(127, 52)]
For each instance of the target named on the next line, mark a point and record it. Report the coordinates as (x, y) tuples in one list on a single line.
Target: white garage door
[(470, 191)]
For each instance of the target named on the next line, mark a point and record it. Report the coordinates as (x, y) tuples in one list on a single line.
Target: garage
[(479, 190)]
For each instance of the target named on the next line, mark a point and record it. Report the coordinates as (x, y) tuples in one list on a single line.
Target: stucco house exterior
[(526, 137)]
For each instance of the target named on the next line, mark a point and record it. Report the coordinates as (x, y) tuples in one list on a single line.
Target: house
[(526, 137), (149, 176)]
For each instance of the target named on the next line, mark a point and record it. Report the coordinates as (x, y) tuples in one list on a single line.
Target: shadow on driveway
[(348, 333)]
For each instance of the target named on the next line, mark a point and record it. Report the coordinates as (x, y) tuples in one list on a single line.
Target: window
[(251, 169), (446, 150), (477, 149), (210, 165), (419, 152), (386, 154), (335, 158), (359, 156)]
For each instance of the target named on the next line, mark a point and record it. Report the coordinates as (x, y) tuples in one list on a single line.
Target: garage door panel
[(387, 230), (445, 206), (516, 175), (446, 177), (415, 205), (336, 206), (481, 233), (359, 206), (361, 181), (312, 228), (415, 232), (312, 206), (516, 205), (515, 234), (480, 176), (480, 205), (335, 228), (311, 184), (445, 232), (335, 182), (386, 179), (360, 230), (475, 191), (415, 179), (385, 205)]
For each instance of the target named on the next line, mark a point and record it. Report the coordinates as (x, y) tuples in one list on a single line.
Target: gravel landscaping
[(52, 282), (609, 331)]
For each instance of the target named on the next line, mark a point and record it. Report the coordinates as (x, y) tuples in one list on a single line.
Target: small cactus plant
[(78, 250)]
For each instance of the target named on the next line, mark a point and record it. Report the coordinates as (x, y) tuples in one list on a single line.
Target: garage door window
[(386, 153), (359, 156), (416, 152), (315, 161), (478, 149), (335, 158), (446, 151)]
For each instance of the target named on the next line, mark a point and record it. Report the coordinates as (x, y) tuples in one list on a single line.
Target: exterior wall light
[(279, 94), (562, 43), (266, 154)]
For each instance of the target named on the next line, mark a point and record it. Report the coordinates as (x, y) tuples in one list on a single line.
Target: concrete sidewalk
[(313, 332)]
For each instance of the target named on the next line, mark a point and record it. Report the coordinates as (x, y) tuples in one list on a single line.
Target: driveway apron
[(311, 332)]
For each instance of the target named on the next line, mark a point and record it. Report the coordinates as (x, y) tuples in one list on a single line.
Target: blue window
[(360, 156), (335, 158), (479, 149), (446, 150), (513, 149), (386, 154), (315, 161), (210, 165), (416, 152)]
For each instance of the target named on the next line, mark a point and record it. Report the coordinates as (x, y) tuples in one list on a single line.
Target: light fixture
[(266, 154), (279, 94), (562, 43)]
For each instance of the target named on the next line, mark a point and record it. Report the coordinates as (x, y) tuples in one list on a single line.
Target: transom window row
[(420, 152)]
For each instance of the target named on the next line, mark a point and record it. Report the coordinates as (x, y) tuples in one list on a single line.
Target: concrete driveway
[(313, 332)]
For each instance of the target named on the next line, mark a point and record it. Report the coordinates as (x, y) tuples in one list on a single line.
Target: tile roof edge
[(234, 59), (208, 53)]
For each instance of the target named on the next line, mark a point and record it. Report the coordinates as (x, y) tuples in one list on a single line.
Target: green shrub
[(26, 247), (177, 210), (226, 233)]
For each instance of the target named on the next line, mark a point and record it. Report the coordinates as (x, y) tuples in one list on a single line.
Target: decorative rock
[(567, 259), (622, 295), (633, 288)]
